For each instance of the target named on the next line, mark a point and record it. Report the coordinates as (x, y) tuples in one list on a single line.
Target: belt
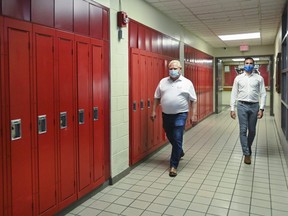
[(246, 102)]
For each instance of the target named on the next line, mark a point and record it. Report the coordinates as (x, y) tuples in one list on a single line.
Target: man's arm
[(262, 95), (156, 102), (233, 99), (193, 111)]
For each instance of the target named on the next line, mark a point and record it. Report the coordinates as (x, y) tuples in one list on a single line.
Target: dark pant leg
[(174, 126)]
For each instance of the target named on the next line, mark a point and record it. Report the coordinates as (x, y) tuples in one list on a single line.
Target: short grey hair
[(175, 62)]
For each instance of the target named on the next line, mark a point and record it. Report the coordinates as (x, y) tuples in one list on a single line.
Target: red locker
[(98, 125), (145, 73), (18, 82), (2, 140), (142, 88), (105, 25), (157, 125), (134, 100), (81, 17), (96, 22), (16, 9), (84, 111), (141, 37), (44, 61), (197, 89), (42, 12), (148, 38), (64, 15), (133, 34), (154, 41), (150, 95), (67, 117)]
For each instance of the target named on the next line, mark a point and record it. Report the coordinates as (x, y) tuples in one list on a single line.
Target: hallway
[(212, 178)]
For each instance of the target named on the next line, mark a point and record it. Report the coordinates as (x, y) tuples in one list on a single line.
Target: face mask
[(248, 68), (173, 73)]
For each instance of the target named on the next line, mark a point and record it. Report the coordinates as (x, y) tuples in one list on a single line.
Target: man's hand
[(260, 114), (153, 115), (233, 114), (193, 119)]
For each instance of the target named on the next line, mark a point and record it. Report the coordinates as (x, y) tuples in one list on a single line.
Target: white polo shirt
[(175, 95)]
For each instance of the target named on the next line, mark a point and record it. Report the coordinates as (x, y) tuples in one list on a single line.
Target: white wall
[(277, 99)]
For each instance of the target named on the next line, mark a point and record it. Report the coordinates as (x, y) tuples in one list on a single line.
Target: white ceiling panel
[(209, 18)]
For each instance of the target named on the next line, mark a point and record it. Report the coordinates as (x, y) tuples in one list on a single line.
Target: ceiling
[(209, 18)]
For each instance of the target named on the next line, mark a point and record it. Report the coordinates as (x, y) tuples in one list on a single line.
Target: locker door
[(1, 123), (196, 86), (66, 89), (163, 73), (142, 83), (188, 76), (155, 81), (18, 78), (157, 127), (98, 111), (45, 100), (150, 95), (134, 107), (84, 111)]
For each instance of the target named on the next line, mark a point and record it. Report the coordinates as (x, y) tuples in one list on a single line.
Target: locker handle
[(148, 103), (81, 116), (134, 106), (16, 129), (42, 124), (141, 105), (95, 113), (63, 120)]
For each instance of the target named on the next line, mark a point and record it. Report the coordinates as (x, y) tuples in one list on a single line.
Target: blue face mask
[(173, 73), (249, 68)]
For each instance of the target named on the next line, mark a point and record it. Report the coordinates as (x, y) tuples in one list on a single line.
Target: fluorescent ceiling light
[(242, 59), (240, 36)]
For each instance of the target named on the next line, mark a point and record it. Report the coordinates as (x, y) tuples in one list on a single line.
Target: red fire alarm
[(122, 19)]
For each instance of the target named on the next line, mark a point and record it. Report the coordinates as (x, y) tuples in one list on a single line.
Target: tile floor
[(212, 178)]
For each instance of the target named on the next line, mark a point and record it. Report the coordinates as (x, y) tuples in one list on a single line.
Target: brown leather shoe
[(247, 159), (173, 172)]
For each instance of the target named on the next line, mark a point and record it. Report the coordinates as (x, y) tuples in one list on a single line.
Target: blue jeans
[(247, 115), (174, 126)]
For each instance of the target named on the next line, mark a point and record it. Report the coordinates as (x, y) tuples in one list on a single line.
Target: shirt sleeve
[(192, 93), (234, 95), (157, 93), (262, 94)]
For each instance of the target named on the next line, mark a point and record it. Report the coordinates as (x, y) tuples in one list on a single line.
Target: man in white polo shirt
[(176, 95)]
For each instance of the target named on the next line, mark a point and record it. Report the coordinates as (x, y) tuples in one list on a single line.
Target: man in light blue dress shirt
[(250, 94)]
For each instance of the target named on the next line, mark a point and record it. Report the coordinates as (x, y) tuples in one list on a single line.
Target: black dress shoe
[(182, 154)]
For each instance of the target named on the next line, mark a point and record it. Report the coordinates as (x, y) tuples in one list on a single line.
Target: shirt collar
[(246, 74)]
